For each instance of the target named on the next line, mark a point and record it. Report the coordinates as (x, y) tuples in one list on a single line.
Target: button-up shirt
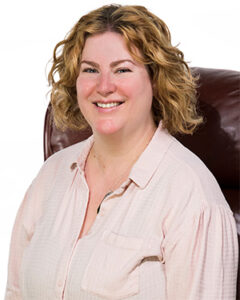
[(165, 233)]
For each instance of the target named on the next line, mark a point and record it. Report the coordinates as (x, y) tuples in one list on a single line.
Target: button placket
[(77, 221)]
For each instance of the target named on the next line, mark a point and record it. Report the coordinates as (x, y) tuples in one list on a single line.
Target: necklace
[(109, 193)]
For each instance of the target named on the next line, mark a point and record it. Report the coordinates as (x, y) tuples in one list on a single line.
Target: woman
[(130, 213)]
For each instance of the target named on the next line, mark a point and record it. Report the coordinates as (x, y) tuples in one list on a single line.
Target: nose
[(105, 85)]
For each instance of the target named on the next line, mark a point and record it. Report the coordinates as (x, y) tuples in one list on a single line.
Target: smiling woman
[(129, 213)]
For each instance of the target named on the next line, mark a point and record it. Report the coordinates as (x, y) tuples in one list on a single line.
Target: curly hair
[(174, 87)]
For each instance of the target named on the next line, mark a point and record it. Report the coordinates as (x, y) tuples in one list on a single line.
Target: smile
[(107, 105)]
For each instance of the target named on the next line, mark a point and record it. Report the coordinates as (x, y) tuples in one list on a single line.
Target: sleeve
[(21, 236), (201, 260)]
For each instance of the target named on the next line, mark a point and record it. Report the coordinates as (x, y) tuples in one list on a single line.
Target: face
[(114, 91)]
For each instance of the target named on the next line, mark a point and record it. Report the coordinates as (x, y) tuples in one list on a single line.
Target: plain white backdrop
[(208, 34)]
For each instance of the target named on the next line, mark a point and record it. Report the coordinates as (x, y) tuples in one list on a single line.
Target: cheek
[(128, 87), (136, 86), (84, 88), (146, 91), (139, 91)]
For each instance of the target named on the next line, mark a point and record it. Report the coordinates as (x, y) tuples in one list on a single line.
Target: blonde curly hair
[(174, 91)]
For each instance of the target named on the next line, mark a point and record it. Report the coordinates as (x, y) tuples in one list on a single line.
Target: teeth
[(108, 105)]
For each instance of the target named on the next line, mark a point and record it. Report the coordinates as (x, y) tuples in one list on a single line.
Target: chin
[(106, 127)]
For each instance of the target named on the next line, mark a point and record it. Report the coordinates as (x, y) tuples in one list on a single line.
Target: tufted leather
[(216, 142)]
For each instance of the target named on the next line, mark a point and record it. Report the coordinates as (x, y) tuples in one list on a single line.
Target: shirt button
[(60, 283)]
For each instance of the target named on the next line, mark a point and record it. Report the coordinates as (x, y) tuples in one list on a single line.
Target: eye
[(123, 70), (89, 70)]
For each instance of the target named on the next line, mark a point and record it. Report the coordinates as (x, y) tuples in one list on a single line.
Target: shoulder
[(54, 174), (190, 176), (69, 153), (191, 193), (65, 157), (59, 165)]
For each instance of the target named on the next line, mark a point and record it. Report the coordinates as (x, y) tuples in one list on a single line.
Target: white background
[(208, 33)]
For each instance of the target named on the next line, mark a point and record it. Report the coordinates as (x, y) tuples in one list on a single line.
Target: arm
[(201, 262), (21, 236)]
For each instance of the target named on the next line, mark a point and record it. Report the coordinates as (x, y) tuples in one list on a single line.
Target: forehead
[(108, 45)]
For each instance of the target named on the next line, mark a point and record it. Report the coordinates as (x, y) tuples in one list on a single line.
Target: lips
[(109, 104)]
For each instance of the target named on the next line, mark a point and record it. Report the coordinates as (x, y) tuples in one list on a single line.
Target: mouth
[(108, 105)]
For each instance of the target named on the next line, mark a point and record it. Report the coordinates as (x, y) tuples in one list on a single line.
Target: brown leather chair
[(216, 142)]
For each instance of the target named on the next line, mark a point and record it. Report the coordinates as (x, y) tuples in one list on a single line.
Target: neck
[(121, 149)]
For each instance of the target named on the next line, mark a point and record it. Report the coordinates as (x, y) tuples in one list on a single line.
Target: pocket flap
[(122, 241)]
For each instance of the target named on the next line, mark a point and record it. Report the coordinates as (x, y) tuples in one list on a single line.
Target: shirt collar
[(84, 153), (147, 163)]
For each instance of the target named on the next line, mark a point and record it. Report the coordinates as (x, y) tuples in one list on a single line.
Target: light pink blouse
[(166, 233)]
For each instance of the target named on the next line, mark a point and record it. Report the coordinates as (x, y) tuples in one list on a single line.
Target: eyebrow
[(113, 64)]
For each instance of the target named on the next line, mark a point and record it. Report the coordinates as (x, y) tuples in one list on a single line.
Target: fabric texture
[(166, 233)]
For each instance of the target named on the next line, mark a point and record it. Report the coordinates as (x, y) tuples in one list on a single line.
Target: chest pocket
[(113, 269)]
